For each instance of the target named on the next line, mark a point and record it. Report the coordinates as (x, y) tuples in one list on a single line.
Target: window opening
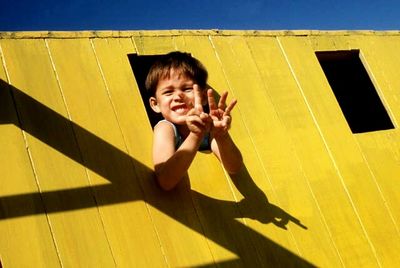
[(354, 91), (140, 67)]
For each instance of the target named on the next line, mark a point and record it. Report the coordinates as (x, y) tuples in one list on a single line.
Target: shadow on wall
[(131, 180)]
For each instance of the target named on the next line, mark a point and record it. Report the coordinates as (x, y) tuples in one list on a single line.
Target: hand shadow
[(255, 204), (221, 222)]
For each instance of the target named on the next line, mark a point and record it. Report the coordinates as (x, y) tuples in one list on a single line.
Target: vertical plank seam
[(134, 45), (241, 118), (329, 152), (226, 173), (194, 204), (307, 182), (298, 160), (247, 130), (227, 178), (149, 210), (174, 42), (375, 81), (125, 142), (243, 123), (147, 206), (385, 203), (31, 161), (378, 87), (60, 88), (267, 175), (107, 89)]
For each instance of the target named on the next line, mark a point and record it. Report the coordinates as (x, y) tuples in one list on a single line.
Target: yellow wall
[(76, 184)]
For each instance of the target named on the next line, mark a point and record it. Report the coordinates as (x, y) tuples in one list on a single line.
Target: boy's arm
[(228, 153), (222, 144), (170, 166)]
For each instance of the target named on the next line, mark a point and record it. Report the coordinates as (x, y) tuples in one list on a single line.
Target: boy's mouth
[(181, 109)]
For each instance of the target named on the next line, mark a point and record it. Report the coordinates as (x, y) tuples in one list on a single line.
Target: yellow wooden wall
[(77, 189)]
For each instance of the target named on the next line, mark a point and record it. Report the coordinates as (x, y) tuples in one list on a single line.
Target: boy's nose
[(179, 96)]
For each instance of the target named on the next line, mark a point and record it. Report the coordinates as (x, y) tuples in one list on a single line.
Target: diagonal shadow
[(106, 160)]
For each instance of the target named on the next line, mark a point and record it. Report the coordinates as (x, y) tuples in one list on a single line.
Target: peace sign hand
[(221, 114), (197, 120)]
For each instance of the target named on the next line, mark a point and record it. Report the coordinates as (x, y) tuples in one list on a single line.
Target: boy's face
[(174, 97)]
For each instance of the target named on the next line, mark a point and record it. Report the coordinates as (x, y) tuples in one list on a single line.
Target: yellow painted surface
[(77, 186), (30, 71), (352, 169), (20, 194), (182, 238)]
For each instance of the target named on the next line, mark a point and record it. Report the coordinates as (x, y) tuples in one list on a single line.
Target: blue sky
[(70, 15)]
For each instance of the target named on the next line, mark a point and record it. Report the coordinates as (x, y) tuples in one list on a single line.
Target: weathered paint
[(77, 187)]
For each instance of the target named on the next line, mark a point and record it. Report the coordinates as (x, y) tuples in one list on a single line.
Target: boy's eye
[(188, 89), (167, 92)]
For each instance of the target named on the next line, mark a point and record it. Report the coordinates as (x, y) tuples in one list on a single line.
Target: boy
[(176, 84)]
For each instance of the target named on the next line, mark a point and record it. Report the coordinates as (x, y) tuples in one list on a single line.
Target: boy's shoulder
[(165, 125), (164, 128)]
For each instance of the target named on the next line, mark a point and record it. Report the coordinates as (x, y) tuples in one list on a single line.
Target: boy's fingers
[(197, 98), (222, 100), (230, 107), (204, 116), (195, 120)]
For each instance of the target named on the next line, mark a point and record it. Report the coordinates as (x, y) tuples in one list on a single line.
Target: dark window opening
[(354, 90), (140, 67)]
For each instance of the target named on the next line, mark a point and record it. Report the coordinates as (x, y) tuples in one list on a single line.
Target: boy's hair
[(182, 62)]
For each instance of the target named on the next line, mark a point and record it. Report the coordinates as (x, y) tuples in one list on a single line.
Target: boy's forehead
[(175, 76), (178, 74)]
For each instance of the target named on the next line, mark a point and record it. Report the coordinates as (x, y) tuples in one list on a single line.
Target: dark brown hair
[(182, 62)]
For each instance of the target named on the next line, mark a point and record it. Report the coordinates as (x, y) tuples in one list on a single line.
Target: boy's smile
[(180, 108)]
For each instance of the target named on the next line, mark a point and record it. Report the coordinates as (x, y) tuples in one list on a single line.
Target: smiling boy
[(177, 86)]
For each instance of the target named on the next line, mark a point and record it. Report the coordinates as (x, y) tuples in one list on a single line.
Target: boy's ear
[(154, 104)]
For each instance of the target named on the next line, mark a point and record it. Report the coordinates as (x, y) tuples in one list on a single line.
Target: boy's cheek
[(189, 100)]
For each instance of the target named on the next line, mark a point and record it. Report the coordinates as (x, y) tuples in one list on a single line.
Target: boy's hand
[(221, 114), (197, 120)]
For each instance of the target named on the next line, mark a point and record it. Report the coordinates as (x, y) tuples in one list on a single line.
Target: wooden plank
[(25, 239), (327, 43), (111, 169), (382, 152), (112, 56), (283, 180), (182, 246), (252, 188), (216, 204), (147, 46), (311, 154), (357, 179), (380, 57), (381, 61), (52, 143), (285, 164), (158, 33)]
